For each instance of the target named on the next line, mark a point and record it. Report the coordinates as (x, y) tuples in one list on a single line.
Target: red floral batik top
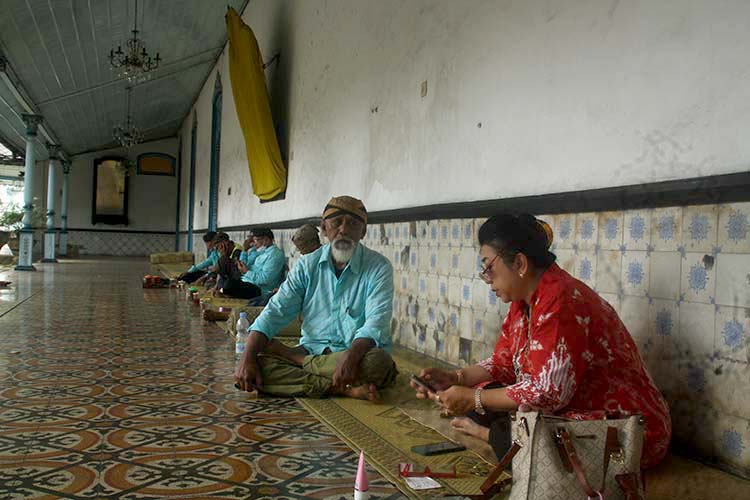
[(576, 359)]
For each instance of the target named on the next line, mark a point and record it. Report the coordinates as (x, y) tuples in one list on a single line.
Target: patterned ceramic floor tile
[(111, 391)]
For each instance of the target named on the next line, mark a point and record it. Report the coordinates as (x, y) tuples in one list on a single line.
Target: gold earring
[(520, 275)]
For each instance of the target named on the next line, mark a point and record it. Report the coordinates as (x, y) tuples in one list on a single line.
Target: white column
[(63, 243), (50, 234), (26, 235)]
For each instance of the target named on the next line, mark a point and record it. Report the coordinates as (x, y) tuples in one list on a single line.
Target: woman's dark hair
[(511, 234), (209, 236)]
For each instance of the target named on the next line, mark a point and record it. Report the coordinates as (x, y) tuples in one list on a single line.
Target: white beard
[(343, 250)]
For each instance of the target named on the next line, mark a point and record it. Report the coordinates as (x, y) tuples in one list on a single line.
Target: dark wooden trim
[(710, 190), (94, 230)]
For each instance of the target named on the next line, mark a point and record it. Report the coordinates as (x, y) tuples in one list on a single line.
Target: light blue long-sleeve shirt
[(248, 256), (268, 269), (335, 310), (211, 260)]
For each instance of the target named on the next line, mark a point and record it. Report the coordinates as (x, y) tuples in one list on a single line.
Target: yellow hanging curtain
[(267, 171)]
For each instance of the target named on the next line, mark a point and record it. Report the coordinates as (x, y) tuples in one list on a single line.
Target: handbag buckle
[(618, 456)]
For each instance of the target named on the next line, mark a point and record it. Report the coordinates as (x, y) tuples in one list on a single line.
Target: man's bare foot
[(365, 391), (468, 426), (211, 315), (294, 354)]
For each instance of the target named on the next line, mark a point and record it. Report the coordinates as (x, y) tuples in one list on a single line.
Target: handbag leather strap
[(565, 446), (629, 486), (500, 467), (571, 463)]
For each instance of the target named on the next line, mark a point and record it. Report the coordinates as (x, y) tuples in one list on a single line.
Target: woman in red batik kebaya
[(562, 350)]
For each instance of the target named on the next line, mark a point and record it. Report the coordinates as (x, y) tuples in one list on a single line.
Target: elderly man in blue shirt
[(344, 292)]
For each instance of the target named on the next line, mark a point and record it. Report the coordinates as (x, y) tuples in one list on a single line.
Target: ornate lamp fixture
[(134, 63), (127, 134)]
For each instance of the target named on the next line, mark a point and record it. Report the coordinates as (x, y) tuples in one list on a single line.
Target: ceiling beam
[(17, 90), (99, 86)]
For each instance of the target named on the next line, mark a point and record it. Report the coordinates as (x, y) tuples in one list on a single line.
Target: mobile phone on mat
[(437, 448)]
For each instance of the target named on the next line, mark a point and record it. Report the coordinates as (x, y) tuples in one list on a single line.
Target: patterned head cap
[(345, 205)]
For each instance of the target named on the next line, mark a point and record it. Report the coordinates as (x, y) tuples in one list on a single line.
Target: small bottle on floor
[(241, 335)]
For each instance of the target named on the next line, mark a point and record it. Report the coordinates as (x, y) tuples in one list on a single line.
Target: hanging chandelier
[(134, 63), (127, 134)]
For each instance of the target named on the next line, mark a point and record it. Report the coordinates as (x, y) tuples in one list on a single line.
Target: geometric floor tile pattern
[(108, 390)]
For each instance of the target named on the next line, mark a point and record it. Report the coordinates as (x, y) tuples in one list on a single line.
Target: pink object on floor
[(361, 485)]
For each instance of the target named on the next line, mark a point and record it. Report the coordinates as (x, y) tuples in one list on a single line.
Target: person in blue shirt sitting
[(265, 274), (344, 292), (249, 252), (208, 265)]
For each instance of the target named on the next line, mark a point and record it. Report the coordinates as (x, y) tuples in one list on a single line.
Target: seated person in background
[(306, 239), (266, 273), (229, 255), (345, 294), (199, 270), (249, 252), (562, 349)]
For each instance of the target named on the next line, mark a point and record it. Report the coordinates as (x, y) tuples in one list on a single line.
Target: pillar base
[(25, 245), (49, 247), (62, 249)]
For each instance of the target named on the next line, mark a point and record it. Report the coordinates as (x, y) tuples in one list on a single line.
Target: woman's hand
[(456, 399), (438, 378)]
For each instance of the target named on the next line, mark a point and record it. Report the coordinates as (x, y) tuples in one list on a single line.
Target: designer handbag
[(559, 458)]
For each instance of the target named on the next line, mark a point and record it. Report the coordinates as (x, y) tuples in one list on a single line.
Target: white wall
[(152, 199), (570, 95)]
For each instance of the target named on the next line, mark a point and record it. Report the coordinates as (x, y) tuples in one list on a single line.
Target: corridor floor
[(108, 390)]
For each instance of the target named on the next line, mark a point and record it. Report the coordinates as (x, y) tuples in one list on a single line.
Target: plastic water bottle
[(242, 325)]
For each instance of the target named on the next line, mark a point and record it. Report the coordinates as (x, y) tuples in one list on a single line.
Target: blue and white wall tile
[(565, 231), (566, 259), (610, 230), (734, 228), (732, 335), (664, 276), (698, 278), (637, 229), (697, 329), (587, 231), (609, 271), (733, 276), (635, 273), (666, 229), (664, 328), (733, 443), (699, 225), (585, 267)]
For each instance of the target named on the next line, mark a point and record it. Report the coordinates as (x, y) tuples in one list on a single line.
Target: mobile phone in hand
[(438, 448), (423, 383)]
